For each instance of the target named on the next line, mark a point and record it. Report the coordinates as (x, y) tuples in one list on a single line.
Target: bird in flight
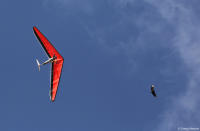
[(54, 58), (153, 91)]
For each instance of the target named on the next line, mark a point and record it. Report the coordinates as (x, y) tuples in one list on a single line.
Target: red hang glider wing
[(56, 68), (48, 47)]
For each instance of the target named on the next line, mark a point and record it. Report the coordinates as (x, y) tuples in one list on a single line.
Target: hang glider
[(153, 91), (55, 59)]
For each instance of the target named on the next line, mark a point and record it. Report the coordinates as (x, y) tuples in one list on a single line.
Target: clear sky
[(113, 50)]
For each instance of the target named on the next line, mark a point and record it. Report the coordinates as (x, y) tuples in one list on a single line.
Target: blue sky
[(113, 50)]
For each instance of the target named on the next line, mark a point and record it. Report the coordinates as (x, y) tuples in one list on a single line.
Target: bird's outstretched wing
[(57, 64)]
